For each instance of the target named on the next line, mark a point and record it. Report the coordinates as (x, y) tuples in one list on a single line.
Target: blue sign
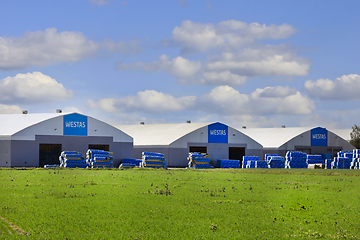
[(319, 137), (217, 133), (75, 125)]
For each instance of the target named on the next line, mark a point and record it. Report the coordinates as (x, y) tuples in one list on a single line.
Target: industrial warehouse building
[(33, 140), (315, 140), (175, 141)]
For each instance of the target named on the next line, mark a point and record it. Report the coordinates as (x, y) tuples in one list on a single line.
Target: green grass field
[(179, 204)]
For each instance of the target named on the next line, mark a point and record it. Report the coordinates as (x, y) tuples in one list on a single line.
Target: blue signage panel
[(319, 137), (75, 125), (217, 133)]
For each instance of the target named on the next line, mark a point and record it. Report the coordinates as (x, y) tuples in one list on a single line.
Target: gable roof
[(13, 123), (159, 134)]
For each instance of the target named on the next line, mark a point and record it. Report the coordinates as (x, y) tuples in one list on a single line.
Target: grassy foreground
[(179, 204)]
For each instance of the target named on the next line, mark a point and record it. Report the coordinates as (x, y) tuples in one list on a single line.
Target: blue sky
[(254, 63)]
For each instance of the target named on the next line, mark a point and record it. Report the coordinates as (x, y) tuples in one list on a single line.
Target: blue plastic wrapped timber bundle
[(276, 162), (314, 159), (268, 156), (296, 159), (153, 160), (99, 158), (72, 159), (328, 163), (51, 166), (227, 163), (261, 164), (130, 163), (342, 163), (344, 153), (199, 160), (250, 161)]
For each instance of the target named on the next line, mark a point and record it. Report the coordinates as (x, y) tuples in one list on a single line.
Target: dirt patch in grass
[(16, 228)]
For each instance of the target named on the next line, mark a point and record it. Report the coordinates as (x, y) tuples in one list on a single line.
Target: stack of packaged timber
[(356, 159), (227, 163), (296, 160), (99, 158), (343, 160), (153, 160), (328, 163), (250, 161), (72, 159), (275, 161), (253, 162), (199, 160), (50, 166), (314, 159), (131, 163)]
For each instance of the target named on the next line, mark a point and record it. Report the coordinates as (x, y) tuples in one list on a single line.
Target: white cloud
[(222, 100), (32, 87), (193, 36), (226, 100), (43, 48), (223, 78), (346, 87), (275, 92), (100, 2), (262, 61), (9, 109), (149, 101), (179, 66)]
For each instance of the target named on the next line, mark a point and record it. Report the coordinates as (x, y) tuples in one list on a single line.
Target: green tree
[(355, 136)]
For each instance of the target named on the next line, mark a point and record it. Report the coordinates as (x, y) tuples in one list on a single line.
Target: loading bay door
[(49, 154), (236, 153)]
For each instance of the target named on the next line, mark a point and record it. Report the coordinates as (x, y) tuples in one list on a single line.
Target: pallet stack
[(99, 158), (72, 159), (295, 159), (199, 160), (153, 160)]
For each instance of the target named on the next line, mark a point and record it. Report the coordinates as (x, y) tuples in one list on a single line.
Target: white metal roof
[(13, 123), (159, 134), (275, 137), (343, 133)]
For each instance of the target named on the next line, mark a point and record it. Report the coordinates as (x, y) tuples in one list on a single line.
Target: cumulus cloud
[(149, 101), (9, 109), (346, 87), (230, 68), (262, 61), (32, 88), (222, 100), (42, 48), (194, 36), (223, 78), (179, 66)]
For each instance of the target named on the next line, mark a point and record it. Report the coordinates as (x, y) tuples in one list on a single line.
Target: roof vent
[(244, 127), (58, 110), (283, 126), (25, 112), (142, 123), (188, 121)]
